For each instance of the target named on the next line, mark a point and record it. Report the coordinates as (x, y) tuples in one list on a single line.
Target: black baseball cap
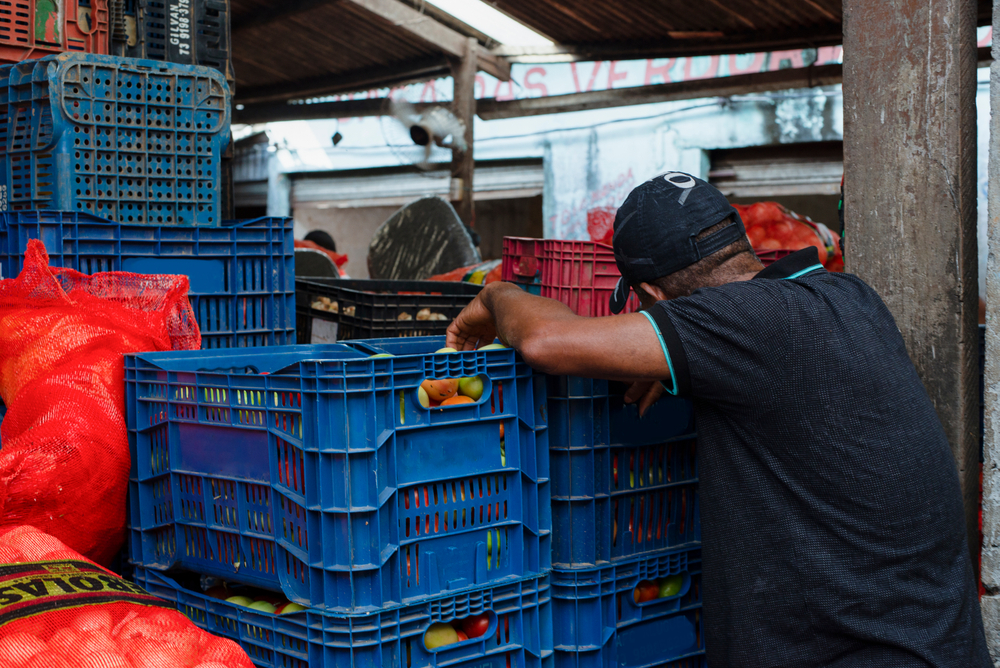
[(656, 227)]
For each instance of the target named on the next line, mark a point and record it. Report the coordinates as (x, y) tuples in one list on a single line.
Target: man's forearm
[(521, 318)]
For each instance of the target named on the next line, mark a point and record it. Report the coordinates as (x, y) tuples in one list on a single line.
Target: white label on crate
[(324, 331), (180, 26)]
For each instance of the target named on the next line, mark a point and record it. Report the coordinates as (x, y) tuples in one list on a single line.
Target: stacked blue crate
[(242, 274), (134, 141), (624, 519), (316, 472), (113, 163)]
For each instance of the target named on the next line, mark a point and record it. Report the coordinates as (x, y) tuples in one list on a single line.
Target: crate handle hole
[(444, 393), (474, 628)]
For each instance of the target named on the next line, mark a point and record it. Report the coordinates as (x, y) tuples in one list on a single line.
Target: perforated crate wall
[(372, 308), (242, 275), (314, 470), (522, 258), (134, 141), (582, 275), (31, 29), (519, 636), (622, 486), (195, 32), (598, 624)]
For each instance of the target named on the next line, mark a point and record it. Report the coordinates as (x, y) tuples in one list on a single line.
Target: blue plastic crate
[(622, 486), (242, 274), (135, 141), (314, 470), (520, 633), (598, 624)]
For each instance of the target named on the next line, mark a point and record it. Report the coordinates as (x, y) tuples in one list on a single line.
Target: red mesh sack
[(65, 460), (770, 226), (59, 610)]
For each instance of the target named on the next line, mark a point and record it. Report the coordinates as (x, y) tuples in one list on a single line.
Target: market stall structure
[(909, 143)]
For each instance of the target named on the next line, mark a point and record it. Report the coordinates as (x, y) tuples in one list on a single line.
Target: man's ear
[(654, 291)]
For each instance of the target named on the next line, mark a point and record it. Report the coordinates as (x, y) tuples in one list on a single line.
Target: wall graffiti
[(594, 210)]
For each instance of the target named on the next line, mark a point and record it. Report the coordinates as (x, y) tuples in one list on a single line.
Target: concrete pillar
[(279, 189), (910, 209), (991, 439)]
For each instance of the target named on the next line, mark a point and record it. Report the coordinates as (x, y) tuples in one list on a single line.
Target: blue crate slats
[(622, 486), (598, 624), (314, 470), (520, 633), (242, 274), (135, 141)]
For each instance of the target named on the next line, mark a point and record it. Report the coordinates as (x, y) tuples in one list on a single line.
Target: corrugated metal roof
[(314, 48), (287, 49), (625, 20)]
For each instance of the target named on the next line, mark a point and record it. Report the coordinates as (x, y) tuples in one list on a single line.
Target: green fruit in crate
[(494, 346), (440, 634), (263, 606), (471, 387), (380, 355), (289, 608), (245, 601), (423, 398), (446, 350), (671, 586)]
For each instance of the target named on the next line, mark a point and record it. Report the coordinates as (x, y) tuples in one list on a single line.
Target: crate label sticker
[(324, 331), (47, 19), (180, 26), (29, 589)]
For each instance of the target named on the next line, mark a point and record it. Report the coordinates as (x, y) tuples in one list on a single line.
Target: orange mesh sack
[(65, 460), (59, 610)]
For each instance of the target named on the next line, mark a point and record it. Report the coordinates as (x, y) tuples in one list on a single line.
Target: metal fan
[(415, 135)]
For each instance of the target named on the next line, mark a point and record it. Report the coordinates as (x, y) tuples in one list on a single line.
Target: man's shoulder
[(772, 297)]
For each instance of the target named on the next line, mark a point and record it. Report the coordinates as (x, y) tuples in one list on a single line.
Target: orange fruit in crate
[(460, 399), (439, 390)]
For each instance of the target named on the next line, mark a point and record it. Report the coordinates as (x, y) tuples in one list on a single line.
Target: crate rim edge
[(544, 579), (347, 284)]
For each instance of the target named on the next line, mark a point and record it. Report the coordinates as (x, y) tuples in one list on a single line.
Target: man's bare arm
[(552, 339)]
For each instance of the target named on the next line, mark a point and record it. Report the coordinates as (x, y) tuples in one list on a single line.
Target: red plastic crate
[(582, 275), (34, 28), (769, 256), (522, 259)]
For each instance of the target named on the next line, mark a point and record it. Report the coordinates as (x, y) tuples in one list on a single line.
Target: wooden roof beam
[(437, 34), (487, 109), (739, 84), (351, 82), (275, 12)]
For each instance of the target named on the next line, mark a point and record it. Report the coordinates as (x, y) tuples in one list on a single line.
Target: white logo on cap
[(683, 185)]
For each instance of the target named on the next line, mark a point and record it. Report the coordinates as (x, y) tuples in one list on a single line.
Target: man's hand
[(646, 392), (473, 327)]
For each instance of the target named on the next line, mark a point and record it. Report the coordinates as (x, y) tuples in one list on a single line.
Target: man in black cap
[(832, 523)]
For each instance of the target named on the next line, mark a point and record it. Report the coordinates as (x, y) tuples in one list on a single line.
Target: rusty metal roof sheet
[(321, 48), (287, 49)]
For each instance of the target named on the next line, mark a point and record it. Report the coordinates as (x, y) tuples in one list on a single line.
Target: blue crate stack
[(624, 511), (114, 164), (329, 483)]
